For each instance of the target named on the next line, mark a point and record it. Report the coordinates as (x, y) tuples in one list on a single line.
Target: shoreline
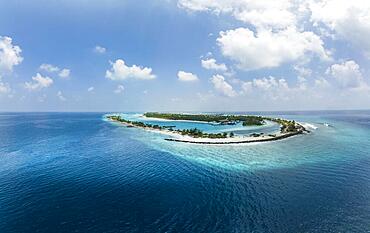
[(238, 140), (177, 137)]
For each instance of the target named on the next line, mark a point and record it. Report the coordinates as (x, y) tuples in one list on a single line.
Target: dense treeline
[(222, 119), (190, 132), (286, 126)]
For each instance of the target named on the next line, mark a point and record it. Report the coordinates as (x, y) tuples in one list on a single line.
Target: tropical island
[(288, 128)]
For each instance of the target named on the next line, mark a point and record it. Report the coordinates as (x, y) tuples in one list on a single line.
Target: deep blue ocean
[(76, 172)]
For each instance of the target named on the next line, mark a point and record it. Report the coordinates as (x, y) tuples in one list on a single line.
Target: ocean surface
[(76, 172)]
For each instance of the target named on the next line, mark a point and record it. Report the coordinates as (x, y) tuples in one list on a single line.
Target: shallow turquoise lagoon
[(204, 126), (325, 133)]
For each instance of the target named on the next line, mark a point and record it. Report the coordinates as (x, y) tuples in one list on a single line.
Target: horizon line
[(180, 111)]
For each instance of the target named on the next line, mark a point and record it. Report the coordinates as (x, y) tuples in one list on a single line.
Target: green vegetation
[(196, 133), (217, 118), (286, 126), (253, 120), (135, 123), (248, 120)]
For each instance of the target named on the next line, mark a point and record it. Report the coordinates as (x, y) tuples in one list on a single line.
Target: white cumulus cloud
[(348, 20), (99, 49), (10, 55), (120, 71), (211, 64), (90, 89), (222, 86), (266, 84), (266, 13), (272, 88), (266, 49), (38, 82), (64, 73), (49, 68), (347, 74), (119, 89), (186, 76)]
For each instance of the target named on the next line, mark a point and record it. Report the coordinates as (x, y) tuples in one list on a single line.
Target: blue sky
[(147, 55)]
